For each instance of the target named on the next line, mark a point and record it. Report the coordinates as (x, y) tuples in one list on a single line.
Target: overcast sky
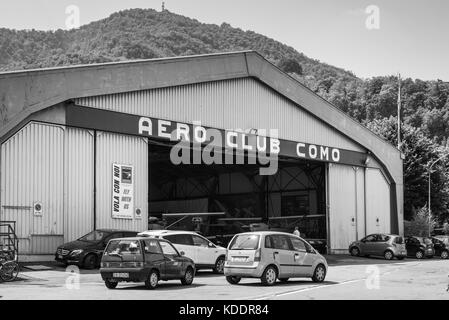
[(412, 38)]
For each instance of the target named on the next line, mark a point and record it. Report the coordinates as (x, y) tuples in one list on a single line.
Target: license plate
[(120, 275), (239, 259)]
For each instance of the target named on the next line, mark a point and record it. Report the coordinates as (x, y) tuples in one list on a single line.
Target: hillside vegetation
[(142, 34)]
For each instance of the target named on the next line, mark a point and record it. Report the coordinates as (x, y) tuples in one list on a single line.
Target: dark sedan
[(87, 251), (419, 247), (145, 260), (441, 246)]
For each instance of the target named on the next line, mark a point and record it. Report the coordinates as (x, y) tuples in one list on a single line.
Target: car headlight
[(76, 252)]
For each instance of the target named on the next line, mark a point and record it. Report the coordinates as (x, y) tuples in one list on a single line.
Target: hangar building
[(90, 147)]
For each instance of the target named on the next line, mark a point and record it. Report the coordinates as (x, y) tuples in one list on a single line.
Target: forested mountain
[(146, 33)]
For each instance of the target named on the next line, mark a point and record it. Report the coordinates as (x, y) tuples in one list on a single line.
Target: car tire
[(269, 276), (444, 254), (233, 280), (90, 261), (110, 284), (419, 254), (152, 280), (388, 255), (355, 252), (219, 265), (188, 277), (319, 274), (283, 279)]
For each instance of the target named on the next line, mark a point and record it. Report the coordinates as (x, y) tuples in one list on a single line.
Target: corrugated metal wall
[(121, 149), (377, 202), (346, 202), (240, 103), (32, 170), (78, 183)]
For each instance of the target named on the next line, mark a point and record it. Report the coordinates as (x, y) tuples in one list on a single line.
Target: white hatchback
[(270, 256), (204, 253)]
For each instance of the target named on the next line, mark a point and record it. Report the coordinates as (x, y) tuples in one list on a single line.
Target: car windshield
[(425, 240), (93, 236), (121, 247), (245, 242)]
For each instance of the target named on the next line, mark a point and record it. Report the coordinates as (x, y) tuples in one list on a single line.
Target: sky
[(369, 38)]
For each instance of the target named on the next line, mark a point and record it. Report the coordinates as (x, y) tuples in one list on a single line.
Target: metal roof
[(23, 93)]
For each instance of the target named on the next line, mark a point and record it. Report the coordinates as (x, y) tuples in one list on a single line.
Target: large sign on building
[(249, 142)]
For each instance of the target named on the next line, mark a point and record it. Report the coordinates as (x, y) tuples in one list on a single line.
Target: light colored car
[(384, 245), (203, 252), (270, 255)]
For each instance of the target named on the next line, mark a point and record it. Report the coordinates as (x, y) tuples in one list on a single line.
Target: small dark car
[(441, 246), (145, 260), (419, 247), (86, 252)]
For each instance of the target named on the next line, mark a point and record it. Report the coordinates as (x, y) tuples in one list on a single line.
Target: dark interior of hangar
[(242, 199)]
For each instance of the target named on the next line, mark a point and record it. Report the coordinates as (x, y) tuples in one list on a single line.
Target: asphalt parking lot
[(347, 278)]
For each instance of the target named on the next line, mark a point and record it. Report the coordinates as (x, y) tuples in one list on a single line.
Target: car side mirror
[(182, 253)]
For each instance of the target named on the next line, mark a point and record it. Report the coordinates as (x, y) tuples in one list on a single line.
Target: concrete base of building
[(338, 251), (36, 257)]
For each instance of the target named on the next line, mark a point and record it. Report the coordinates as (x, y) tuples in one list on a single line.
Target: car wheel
[(90, 261), (283, 279), (388, 255), (444, 254), (233, 280), (188, 277), (269, 276), (419, 254), (319, 274), (152, 280), (110, 284), (355, 252), (219, 265)]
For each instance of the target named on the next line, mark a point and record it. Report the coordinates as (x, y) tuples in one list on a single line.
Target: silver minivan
[(270, 256)]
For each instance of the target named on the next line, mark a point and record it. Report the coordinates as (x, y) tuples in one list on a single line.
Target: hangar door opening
[(237, 198)]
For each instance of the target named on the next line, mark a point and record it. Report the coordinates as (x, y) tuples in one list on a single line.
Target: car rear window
[(399, 240), (245, 242), (121, 247)]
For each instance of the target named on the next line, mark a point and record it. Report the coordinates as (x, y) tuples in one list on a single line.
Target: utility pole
[(399, 111), (163, 6)]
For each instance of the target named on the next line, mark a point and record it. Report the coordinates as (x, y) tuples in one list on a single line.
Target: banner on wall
[(122, 191)]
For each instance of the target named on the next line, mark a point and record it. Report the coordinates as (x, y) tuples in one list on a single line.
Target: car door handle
[(274, 254)]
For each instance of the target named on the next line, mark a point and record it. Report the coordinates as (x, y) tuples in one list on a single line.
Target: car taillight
[(257, 255), (226, 255)]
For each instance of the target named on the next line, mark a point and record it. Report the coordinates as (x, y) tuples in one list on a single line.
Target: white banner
[(122, 191)]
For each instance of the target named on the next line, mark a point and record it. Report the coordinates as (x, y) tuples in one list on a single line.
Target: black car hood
[(77, 244)]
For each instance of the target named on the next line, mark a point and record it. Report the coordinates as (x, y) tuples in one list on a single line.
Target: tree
[(419, 225), (290, 66)]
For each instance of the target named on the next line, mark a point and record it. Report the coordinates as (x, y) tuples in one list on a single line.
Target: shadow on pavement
[(162, 286), (348, 260), (289, 283)]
